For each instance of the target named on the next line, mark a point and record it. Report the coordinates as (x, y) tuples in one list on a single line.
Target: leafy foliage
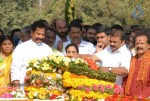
[(19, 13), (81, 69)]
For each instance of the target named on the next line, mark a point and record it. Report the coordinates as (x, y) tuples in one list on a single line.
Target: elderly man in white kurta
[(32, 49)]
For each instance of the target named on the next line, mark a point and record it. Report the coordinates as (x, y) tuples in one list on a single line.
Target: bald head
[(61, 27)]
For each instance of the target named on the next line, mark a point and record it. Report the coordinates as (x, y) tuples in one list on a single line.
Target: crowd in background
[(125, 54)]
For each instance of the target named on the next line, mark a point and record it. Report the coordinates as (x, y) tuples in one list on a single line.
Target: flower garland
[(50, 64), (85, 87), (42, 93), (72, 80), (79, 95), (47, 78)]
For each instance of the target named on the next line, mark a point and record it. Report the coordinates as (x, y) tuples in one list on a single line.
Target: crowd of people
[(125, 54)]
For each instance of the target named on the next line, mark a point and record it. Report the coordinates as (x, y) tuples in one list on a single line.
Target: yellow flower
[(45, 66), (91, 94), (30, 95), (58, 59), (66, 64), (28, 72), (72, 80), (56, 92), (36, 72), (52, 75), (42, 92), (42, 96)]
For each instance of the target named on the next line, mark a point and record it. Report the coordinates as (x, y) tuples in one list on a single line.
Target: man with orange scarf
[(138, 81)]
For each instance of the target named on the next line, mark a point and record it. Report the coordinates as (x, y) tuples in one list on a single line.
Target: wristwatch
[(109, 68)]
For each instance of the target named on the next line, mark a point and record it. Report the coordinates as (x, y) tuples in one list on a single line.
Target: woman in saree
[(6, 46)]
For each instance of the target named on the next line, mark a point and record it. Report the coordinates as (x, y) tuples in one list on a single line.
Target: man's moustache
[(91, 38), (39, 39), (75, 37), (112, 46), (139, 48)]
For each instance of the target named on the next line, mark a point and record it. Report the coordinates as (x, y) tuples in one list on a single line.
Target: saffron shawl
[(142, 73)]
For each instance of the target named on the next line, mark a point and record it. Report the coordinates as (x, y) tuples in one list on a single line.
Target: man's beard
[(63, 34)]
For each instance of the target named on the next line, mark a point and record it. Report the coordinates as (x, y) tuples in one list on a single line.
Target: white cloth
[(20, 42), (23, 53), (118, 58), (84, 47)]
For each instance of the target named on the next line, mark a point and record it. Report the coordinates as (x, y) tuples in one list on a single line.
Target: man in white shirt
[(75, 34), (29, 50), (115, 58)]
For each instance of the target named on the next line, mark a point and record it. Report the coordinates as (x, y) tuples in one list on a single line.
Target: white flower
[(13, 92), (33, 81), (19, 95), (49, 77), (54, 70), (36, 64), (58, 59), (58, 76), (67, 59), (35, 94), (29, 69), (73, 59)]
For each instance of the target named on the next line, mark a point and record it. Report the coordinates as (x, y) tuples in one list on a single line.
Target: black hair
[(143, 33), (97, 24), (86, 27), (104, 29), (38, 24), (51, 29), (77, 25), (13, 31), (5, 37), (134, 26), (137, 29), (72, 45), (119, 33), (116, 26), (75, 21)]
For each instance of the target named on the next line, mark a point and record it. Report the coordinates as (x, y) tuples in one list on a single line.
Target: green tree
[(19, 13)]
